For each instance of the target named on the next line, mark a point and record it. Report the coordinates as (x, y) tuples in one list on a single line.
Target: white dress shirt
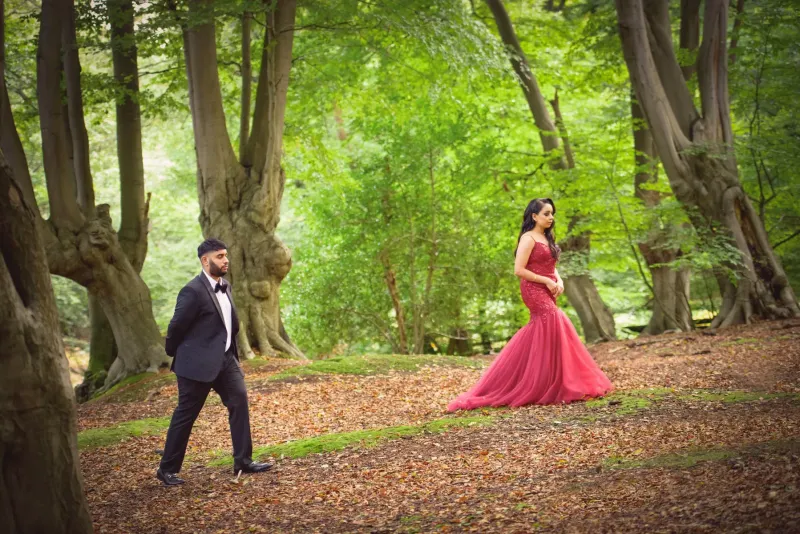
[(225, 306)]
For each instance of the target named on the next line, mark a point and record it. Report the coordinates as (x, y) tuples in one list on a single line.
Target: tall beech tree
[(132, 233), (240, 197), (80, 241), (41, 489), (670, 286), (696, 149), (596, 318)]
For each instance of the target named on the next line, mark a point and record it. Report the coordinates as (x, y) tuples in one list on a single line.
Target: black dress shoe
[(252, 467), (169, 479)]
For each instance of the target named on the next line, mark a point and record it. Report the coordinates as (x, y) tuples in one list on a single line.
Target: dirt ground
[(702, 435)]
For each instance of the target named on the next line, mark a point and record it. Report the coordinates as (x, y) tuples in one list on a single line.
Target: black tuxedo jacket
[(196, 334)]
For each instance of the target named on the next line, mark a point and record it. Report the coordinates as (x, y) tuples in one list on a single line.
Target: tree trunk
[(41, 489), (699, 159), (597, 321), (81, 244), (670, 287), (459, 343), (247, 85), (397, 304), (549, 135), (102, 352), (240, 202), (670, 290), (737, 24), (133, 229)]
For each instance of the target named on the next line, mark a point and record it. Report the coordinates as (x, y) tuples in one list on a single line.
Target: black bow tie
[(219, 287)]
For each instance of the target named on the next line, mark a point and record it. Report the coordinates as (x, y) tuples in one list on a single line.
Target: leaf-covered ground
[(702, 435)]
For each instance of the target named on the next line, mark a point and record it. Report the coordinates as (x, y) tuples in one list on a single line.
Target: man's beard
[(215, 270)]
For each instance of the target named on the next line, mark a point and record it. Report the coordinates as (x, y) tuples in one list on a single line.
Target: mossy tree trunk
[(697, 153)]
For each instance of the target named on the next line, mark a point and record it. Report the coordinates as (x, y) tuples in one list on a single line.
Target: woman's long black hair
[(535, 206)]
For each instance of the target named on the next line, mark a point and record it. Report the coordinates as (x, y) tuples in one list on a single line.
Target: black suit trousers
[(229, 384)]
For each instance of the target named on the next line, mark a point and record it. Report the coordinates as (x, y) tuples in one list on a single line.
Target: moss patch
[(740, 341), (632, 401), (135, 388), (103, 437), (731, 397), (362, 438), (692, 457), (376, 364), (628, 402)]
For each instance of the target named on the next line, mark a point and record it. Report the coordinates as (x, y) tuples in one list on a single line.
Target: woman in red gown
[(545, 362)]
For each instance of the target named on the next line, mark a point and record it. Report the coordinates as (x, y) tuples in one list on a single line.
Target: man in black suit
[(202, 340)]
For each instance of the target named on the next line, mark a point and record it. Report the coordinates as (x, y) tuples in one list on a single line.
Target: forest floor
[(701, 435)]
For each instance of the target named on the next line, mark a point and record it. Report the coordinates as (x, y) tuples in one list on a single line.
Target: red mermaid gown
[(545, 362)]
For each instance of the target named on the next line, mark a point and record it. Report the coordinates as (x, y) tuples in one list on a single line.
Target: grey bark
[(41, 489), (132, 234), (670, 287), (240, 201), (596, 318), (83, 246), (690, 33), (699, 161), (247, 84)]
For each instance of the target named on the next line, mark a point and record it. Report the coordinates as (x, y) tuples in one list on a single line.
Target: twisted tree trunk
[(670, 287), (132, 234), (79, 239), (696, 150), (240, 200)]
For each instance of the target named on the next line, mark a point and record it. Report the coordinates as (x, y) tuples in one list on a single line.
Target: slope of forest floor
[(702, 434)]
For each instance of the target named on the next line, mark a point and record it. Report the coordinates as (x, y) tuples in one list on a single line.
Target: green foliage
[(73, 307), (410, 151), (362, 438), (764, 81)]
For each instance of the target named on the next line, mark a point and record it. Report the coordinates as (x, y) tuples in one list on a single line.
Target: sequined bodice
[(536, 296)]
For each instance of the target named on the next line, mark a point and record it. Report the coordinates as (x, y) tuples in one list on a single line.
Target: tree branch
[(215, 156), (527, 80), (134, 221), (713, 73), (668, 136), (247, 74), (77, 124), (659, 32), (58, 172), (737, 24), (782, 241), (562, 128), (265, 143), (10, 143), (690, 32)]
